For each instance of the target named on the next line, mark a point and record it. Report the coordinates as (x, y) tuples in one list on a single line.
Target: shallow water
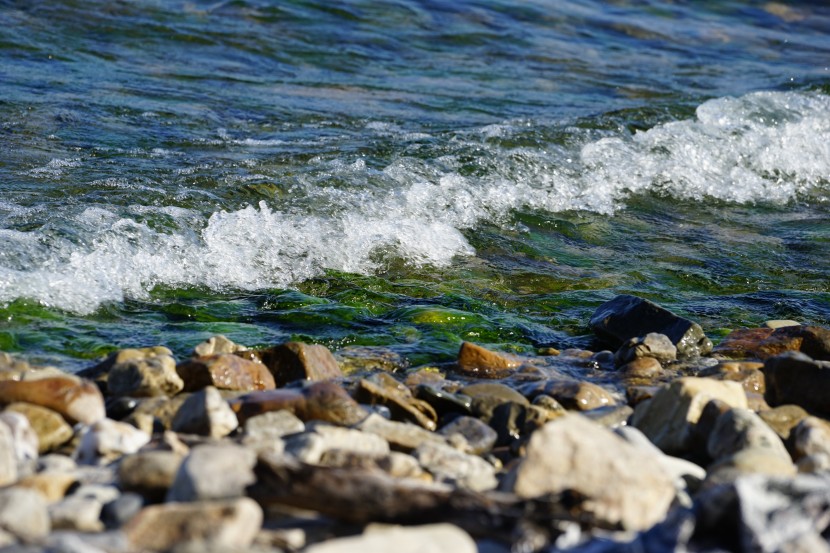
[(407, 174)]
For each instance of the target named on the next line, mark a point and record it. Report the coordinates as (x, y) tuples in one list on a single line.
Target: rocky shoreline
[(658, 443)]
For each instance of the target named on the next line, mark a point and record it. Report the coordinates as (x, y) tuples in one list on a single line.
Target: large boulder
[(626, 317)]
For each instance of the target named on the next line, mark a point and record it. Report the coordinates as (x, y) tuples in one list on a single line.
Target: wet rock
[(763, 343), (511, 421), (747, 373), (626, 317), (620, 483), (796, 378), (447, 464), (740, 429), (205, 413), (783, 419), (382, 389), (402, 436), (435, 538), (353, 359), (231, 523), (652, 345), (743, 343), (298, 361), (272, 426), (611, 416), (107, 440), (479, 437), (443, 401), (150, 473), (8, 457), (145, 374), (220, 471), (479, 362), (76, 512), (669, 417), (486, 396), (24, 513), (553, 409), (51, 429), (324, 401), (216, 345), (225, 371), (571, 394), (646, 368), (310, 447), (75, 399)]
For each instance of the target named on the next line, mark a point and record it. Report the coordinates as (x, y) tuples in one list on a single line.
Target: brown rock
[(75, 399), (747, 373), (476, 361), (642, 367), (383, 389), (51, 429), (763, 343), (742, 343), (148, 376), (572, 394), (325, 401), (50, 484), (225, 371), (298, 361)]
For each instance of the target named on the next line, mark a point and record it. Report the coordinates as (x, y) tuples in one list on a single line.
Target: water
[(406, 174)]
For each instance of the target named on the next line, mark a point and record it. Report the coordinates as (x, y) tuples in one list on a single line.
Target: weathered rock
[(100, 371), (486, 396), (51, 429), (272, 426), (150, 473), (119, 511), (811, 436), (479, 437), (24, 438), (626, 317), (217, 344), (382, 389), (76, 512), (479, 362), (75, 399), (8, 457), (620, 483), (402, 436), (220, 471), (162, 409), (747, 373), (796, 378), (298, 361), (107, 440), (652, 345), (783, 419), (206, 413), (668, 418), (763, 343), (739, 429), (324, 401), (642, 368), (434, 538), (225, 371), (447, 464), (231, 523), (571, 394), (145, 376), (310, 447), (52, 485), (752, 460), (24, 513), (353, 359)]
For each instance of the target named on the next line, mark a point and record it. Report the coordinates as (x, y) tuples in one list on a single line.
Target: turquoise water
[(405, 174)]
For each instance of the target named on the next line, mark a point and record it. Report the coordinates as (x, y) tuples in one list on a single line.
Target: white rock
[(107, 440), (77, 513), (8, 456), (213, 471), (25, 438), (206, 413), (448, 464), (431, 538), (23, 512), (309, 447)]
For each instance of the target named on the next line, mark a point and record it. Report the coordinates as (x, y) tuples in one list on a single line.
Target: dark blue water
[(406, 174)]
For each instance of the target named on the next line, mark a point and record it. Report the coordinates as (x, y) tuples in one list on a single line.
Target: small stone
[(51, 429), (162, 408), (668, 418), (67, 541), (795, 378), (811, 436), (433, 538), (747, 373), (642, 367), (479, 437), (486, 396), (298, 361), (323, 401), (512, 421), (479, 362), (77, 513), (75, 399), (402, 436), (107, 440), (310, 447), (8, 457), (626, 317), (205, 413), (447, 464), (364, 359), (611, 416), (147, 376), (231, 523), (118, 512), (553, 409), (213, 472), (272, 426), (55, 462), (24, 513), (783, 419), (225, 371), (383, 389), (780, 323), (652, 345), (51, 485), (150, 473), (24, 438), (739, 429), (217, 344)]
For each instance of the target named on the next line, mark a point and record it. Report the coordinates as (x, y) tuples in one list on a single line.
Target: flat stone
[(213, 472), (24, 513), (447, 464), (51, 428), (579, 395), (205, 413), (230, 523), (477, 361), (107, 440), (752, 460), (382, 389), (75, 399), (150, 473), (668, 418), (626, 317), (434, 538), (780, 323), (272, 426), (402, 436), (324, 401), (225, 371), (217, 344), (310, 447), (298, 361), (796, 378), (146, 376), (620, 483), (763, 343), (652, 345)]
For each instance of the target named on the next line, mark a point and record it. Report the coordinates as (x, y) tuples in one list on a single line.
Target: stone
[(8, 457), (811, 436), (53, 486), (217, 344), (145, 376), (611, 416), (443, 401), (763, 343), (434, 538), (119, 511), (477, 361), (642, 368), (310, 447), (752, 460), (24, 438), (625, 317), (298, 361), (783, 419), (669, 417), (51, 429), (225, 371), (77, 513), (100, 371), (162, 409), (107, 440), (230, 523), (747, 373), (55, 462), (382, 389), (75, 399), (486, 396), (213, 471), (512, 421), (479, 437), (24, 513), (205, 413), (364, 359), (578, 394), (796, 378), (619, 483), (402, 436), (272, 426), (738, 429), (780, 323), (150, 473), (323, 401), (742, 343), (652, 345), (447, 464), (681, 470)]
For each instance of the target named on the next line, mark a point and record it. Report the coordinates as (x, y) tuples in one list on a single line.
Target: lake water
[(406, 174)]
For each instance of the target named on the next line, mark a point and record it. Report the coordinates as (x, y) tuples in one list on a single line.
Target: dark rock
[(443, 401), (384, 390), (325, 401), (479, 437), (225, 371), (486, 396), (626, 317), (572, 394), (298, 361), (794, 377)]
